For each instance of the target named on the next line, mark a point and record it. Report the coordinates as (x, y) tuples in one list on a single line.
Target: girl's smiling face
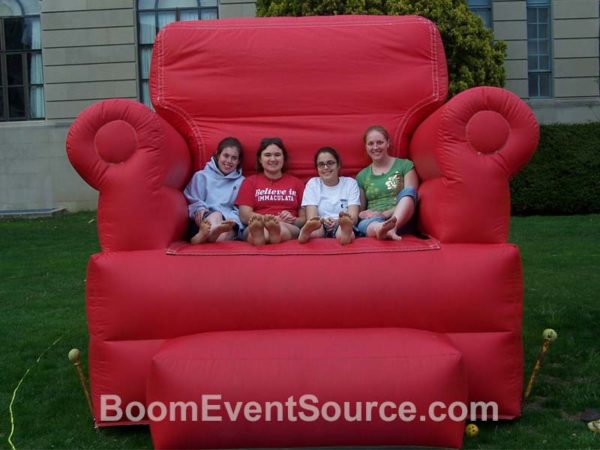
[(228, 160), (377, 145), (328, 168), (272, 160)]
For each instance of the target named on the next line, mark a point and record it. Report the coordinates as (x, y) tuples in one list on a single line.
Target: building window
[(483, 9), (152, 15), (22, 78), (538, 48)]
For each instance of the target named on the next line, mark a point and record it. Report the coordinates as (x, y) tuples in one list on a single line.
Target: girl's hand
[(199, 215), (367, 214), (286, 216), (329, 222)]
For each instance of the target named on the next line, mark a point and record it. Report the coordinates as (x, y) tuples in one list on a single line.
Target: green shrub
[(563, 175), (474, 58)]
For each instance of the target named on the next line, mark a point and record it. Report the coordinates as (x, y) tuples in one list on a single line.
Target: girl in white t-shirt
[(332, 202)]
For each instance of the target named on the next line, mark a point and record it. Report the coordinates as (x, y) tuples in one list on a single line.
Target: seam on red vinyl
[(291, 24), (454, 356), (435, 95), (182, 248), (175, 109), (435, 72), (165, 339)]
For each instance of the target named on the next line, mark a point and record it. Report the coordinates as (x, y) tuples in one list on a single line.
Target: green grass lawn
[(42, 278)]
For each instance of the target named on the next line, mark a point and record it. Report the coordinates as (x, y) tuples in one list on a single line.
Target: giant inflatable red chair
[(312, 81)]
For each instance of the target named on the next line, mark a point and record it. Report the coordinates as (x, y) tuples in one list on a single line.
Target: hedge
[(563, 177)]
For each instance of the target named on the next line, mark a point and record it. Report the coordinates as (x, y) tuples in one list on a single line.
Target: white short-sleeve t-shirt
[(331, 200)]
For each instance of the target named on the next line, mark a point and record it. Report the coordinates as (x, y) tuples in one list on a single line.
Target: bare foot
[(383, 232), (312, 224), (272, 226), (393, 235), (202, 234), (256, 229), (217, 231), (345, 223)]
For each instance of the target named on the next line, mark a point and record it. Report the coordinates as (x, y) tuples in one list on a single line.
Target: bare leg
[(288, 231), (202, 235), (313, 224), (256, 230), (344, 233), (403, 211), (273, 228)]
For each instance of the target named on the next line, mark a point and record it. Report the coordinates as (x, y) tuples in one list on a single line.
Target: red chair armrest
[(139, 164), (465, 153)]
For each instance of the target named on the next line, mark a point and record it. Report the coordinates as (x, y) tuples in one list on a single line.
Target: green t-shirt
[(381, 190)]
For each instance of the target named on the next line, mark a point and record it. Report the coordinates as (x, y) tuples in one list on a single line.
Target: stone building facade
[(59, 56)]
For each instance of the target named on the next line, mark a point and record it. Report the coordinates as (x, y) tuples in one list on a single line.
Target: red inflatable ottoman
[(307, 388)]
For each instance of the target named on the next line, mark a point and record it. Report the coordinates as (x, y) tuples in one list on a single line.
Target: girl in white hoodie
[(212, 192)]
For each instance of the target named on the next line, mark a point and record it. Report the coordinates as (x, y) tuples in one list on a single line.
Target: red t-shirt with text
[(266, 196)]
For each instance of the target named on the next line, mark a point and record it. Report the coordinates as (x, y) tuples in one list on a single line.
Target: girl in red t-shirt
[(270, 201)]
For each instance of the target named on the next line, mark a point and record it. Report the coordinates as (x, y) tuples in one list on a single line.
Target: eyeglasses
[(323, 164)]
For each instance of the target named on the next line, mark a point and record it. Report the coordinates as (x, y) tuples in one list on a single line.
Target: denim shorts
[(409, 228), (364, 224), (406, 192), (330, 232)]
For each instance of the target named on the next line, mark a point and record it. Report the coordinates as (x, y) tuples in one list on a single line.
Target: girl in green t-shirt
[(388, 188)]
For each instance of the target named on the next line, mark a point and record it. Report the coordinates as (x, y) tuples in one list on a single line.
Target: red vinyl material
[(140, 165), (465, 154), (470, 292), (339, 366), (313, 81)]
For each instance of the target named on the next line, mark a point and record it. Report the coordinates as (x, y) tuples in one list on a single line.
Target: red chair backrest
[(313, 81)]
